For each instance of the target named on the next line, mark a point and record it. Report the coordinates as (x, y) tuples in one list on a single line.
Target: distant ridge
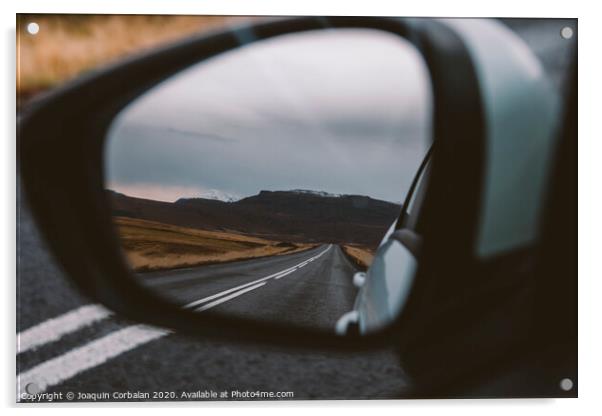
[(296, 215)]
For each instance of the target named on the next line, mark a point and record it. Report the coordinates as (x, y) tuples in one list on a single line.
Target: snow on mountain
[(317, 193), (218, 195)]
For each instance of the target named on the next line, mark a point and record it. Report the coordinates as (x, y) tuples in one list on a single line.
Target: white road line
[(276, 275), (281, 275), (227, 298), (99, 351), (225, 292), (55, 328)]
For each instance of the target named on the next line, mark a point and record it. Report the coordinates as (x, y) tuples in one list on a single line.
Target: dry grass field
[(68, 45), (362, 256), (150, 245)]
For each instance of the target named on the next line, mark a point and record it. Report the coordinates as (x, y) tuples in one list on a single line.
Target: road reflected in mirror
[(258, 182)]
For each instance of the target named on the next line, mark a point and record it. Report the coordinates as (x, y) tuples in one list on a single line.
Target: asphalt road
[(312, 288), (69, 344)]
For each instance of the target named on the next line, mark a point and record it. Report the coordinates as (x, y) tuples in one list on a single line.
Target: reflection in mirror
[(260, 181)]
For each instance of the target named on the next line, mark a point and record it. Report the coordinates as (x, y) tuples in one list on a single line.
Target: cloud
[(342, 111)]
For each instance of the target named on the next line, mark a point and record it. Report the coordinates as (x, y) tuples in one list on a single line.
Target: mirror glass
[(258, 182)]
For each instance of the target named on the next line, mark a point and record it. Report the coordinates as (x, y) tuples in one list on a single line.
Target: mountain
[(281, 215)]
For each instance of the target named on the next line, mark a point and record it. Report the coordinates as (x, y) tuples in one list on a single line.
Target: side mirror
[(491, 107)]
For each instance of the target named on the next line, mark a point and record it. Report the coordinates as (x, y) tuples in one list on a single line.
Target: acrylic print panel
[(401, 181)]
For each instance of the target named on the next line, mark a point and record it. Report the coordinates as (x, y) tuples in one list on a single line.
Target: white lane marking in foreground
[(54, 329), (99, 351), (95, 353), (276, 275)]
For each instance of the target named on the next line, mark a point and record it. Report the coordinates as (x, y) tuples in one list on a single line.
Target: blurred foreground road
[(151, 360)]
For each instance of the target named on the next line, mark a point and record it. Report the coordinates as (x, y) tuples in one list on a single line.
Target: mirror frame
[(60, 156)]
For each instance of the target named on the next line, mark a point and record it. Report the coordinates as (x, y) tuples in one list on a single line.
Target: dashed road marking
[(229, 297)]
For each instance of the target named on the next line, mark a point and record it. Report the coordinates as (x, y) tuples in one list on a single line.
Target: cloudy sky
[(341, 111)]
